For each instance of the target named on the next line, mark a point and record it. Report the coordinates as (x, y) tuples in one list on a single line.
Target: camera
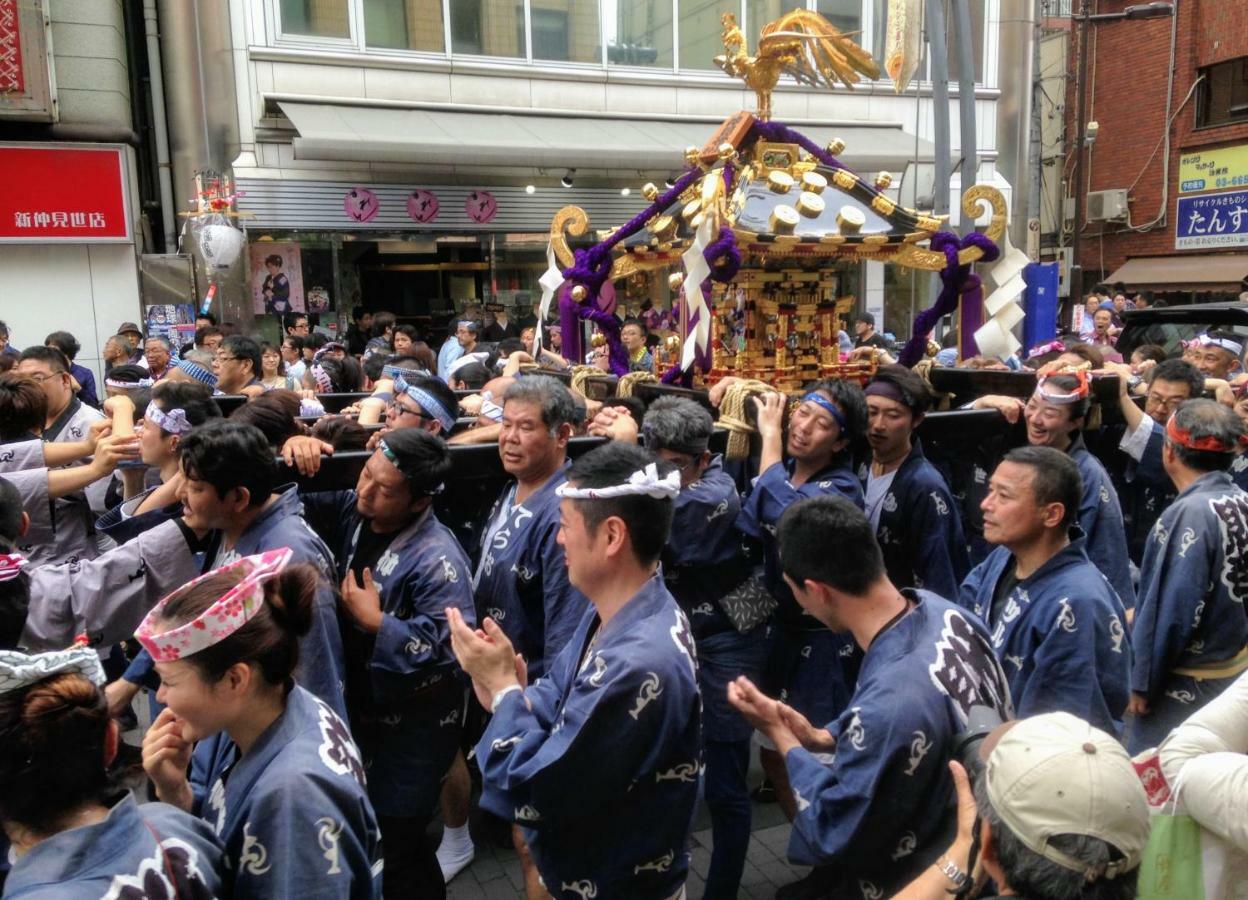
[(980, 722)]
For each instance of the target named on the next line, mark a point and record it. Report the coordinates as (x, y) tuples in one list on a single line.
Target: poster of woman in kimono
[(276, 278)]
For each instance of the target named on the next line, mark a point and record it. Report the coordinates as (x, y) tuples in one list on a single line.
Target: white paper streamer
[(551, 281), (996, 337)]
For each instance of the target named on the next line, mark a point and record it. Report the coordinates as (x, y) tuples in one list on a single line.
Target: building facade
[(71, 218), (1167, 172), (409, 154)]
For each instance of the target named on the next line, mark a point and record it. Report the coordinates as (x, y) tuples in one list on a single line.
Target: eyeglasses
[(405, 411), (221, 358), (40, 377)]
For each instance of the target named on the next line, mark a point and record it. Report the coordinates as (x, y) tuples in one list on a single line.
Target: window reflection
[(565, 30), (638, 32), (701, 27), (759, 12), (404, 24), (318, 18), (846, 15), (488, 27)]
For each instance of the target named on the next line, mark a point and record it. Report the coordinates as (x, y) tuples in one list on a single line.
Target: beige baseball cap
[(1055, 774)]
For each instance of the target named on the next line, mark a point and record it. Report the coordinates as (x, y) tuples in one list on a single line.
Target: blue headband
[(198, 372), (393, 458), (399, 372), (427, 402), (829, 407)]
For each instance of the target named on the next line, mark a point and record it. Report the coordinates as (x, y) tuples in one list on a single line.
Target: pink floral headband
[(234, 610), (11, 565)]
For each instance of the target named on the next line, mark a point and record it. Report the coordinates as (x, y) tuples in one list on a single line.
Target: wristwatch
[(950, 870)]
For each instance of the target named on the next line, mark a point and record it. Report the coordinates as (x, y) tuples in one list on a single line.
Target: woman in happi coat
[(275, 771), (75, 835)]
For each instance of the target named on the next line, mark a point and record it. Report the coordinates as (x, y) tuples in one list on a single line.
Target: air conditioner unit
[(1107, 206)]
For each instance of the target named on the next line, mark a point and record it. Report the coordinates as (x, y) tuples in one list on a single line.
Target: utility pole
[(1081, 135), (1151, 10)]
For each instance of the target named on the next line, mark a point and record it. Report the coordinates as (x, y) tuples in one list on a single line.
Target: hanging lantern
[(220, 245)]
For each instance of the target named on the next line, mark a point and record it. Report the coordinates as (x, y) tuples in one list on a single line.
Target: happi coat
[(405, 690), (1060, 636), (599, 760)]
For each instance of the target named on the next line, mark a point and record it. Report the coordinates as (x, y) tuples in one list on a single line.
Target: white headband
[(173, 421), (1225, 343), (19, 670), (644, 482), (128, 385)]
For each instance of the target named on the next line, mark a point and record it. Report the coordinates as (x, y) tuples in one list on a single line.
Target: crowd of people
[(945, 684)]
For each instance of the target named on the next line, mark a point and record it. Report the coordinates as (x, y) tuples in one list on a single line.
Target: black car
[(1169, 326)]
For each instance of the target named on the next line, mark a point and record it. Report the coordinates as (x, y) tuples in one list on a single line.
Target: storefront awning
[(1190, 272), (470, 139)]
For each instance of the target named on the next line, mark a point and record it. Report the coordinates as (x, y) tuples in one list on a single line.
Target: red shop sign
[(62, 192)]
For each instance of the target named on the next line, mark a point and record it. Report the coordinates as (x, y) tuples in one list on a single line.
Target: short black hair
[(422, 458), (648, 519), (345, 375), (358, 312), (848, 397), (474, 376), (1055, 478), (230, 455), (23, 407), (1178, 370), (381, 322), (203, 332), (192, 397), (55, 359), (865, 318), (1155, 352), (373, 364), (1207, 419), (65, 342), (275, 413), (915, 394), (14, 593), (207, 317), (243, 347), (677, 424), (409, 330), (129, 373), (508, 346), (11, 508), (830, 540), (273, 259)]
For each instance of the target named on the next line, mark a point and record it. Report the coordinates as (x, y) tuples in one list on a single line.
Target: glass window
[(318, 18), (977, 40), (879, 32), (638, 32), (846, 15), (404, 24), (701, 31), (1222, 97), (759, 12), (488, 27), (565, 30)]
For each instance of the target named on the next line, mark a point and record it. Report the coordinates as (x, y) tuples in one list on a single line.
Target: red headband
[(1183, 437)]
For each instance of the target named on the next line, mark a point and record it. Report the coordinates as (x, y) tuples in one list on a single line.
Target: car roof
[(1233, 313)]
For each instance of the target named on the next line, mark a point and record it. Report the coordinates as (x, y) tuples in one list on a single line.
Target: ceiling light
[(624, 192), (530, 189), (566, 180)]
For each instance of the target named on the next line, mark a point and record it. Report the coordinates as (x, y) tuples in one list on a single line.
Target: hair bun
[(291, 596)]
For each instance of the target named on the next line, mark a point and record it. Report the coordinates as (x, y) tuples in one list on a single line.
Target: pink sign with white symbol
[(422, 205), (481, 206), (360, 204)]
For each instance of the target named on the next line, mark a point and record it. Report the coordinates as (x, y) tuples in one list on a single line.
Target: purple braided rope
[(958, 281), (591, 268)]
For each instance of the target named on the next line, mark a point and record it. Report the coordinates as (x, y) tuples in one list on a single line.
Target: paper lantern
[(220, 245)]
